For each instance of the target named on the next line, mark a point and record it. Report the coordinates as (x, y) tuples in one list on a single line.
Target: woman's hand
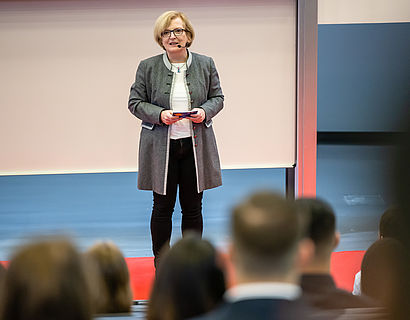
[(198, 117), (168, 118)]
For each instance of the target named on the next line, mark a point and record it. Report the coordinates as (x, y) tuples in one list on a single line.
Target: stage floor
[(91, 207)]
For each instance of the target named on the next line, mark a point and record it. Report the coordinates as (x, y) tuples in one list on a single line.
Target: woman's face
[(171, 42)]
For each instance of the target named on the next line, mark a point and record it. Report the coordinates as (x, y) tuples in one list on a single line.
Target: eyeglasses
[(177, 32)]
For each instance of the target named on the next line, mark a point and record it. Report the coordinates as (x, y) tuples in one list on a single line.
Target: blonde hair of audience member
[(267, 243), (114, 295), (189, 281), (164, 20), (45, 280)]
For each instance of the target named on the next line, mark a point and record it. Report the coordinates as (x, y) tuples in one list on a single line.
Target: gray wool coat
[(150, 94)]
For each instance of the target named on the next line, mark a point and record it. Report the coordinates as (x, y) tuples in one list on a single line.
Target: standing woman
[(176, 151)]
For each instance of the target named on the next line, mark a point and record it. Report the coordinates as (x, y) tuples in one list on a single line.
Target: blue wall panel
[(363, 76)]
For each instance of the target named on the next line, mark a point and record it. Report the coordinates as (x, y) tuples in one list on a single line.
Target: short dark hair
[(265, 232), (189, 280), (390, 224), (321, 222)]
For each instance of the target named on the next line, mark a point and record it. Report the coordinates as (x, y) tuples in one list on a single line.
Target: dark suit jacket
[(321, 292), (261, 309)]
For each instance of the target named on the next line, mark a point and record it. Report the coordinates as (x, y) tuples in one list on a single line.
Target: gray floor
[(91, 207)]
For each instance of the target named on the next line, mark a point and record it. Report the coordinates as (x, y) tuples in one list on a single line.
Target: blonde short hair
[(164, 20)]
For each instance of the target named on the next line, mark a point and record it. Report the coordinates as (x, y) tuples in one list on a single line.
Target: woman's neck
[(178, 57)]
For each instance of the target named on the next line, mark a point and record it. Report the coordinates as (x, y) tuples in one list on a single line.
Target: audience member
[(46, 280), (189, 281), (400, 181), (389, 226), (2, 276), (114, 291), (384, 273), (317, 283), (2, 271), (401, 177), (266, 252)]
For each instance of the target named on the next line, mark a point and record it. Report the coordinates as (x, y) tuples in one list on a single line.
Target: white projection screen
[(66, 68)]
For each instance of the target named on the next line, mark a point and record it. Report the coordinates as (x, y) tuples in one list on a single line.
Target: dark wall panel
[(363, 76)]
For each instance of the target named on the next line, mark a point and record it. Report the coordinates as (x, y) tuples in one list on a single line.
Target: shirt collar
[(168, 63), (266, 290)]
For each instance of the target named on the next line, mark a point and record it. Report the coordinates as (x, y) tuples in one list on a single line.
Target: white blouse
[(179, 102)]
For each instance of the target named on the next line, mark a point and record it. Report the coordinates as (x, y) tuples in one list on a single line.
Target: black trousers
[(181, 171)]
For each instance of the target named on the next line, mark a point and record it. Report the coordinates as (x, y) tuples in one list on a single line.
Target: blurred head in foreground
[(384, 272), (321, 229), (2, 276), (401, 186), (189, 281), (46, 280), (267, 240), (317, 282), (114, 291)]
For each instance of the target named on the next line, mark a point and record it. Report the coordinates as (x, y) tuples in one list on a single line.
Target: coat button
[(196, 145), (190, 92), (188, 83), (195, 137)]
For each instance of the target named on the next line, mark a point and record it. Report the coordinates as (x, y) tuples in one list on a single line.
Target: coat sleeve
[(215, 101), (138, 102)]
